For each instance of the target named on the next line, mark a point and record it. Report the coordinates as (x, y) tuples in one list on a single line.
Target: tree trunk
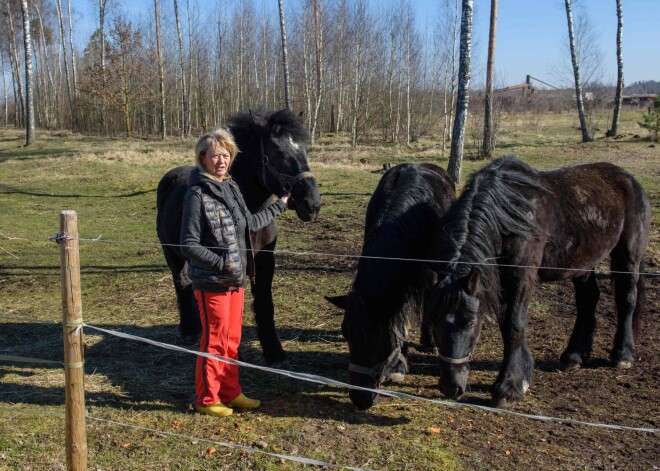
[(576, 73), (161, 72), (4, 87), (285, 59), (29, 100), (454, 167), (182, 71), (73, 55), (409, 26), (190, 73), (102, 7), (614, 131), (16, 72), (489, 133), (58, 4), (51, 98), (318, 27)]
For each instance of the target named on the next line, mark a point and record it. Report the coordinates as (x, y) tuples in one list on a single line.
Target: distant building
[(638, 100)]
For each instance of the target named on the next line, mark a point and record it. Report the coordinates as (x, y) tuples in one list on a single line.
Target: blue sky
[(529, 36)]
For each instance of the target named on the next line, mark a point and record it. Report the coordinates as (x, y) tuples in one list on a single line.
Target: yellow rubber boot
[(216, 410), (243, 402)]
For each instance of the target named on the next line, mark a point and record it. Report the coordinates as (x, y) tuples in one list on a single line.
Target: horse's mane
[(285, 121), (491, 207), (397, 226)]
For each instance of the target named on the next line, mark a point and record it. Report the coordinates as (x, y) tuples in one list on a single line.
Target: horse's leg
[(628, 288), (426, 340), (264, 311), (579, 347), (190, 327), (517, 370)]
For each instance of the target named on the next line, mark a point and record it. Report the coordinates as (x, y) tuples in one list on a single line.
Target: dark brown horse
[(272, 161), (401, 223), (514, 226)]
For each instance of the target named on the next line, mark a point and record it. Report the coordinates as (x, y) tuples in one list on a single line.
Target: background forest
[(366, 68)]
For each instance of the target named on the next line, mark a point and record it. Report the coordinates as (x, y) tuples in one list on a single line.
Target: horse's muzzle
[(453, 381), (363, 400), (306, 200)]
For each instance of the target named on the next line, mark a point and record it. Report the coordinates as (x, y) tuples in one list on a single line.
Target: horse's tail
[(641, 301)]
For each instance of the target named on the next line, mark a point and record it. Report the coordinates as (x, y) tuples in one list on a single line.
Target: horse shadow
[(126, 374)]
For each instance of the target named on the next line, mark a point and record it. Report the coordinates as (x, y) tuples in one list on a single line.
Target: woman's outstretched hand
[(285, 198)]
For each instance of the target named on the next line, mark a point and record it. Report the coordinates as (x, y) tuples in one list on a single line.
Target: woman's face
[(216, 161)]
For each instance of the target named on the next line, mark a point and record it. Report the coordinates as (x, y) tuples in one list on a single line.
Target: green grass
[(126, 286)]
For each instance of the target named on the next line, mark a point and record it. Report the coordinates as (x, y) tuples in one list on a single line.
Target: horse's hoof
[(280, 365), (501, 403), (395, 378), (190, 340), (623, 365), (570, 366)]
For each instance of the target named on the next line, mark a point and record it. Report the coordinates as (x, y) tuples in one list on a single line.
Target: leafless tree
[(447, 42), (4, 86), (29, 81), (67, 73), (489, 132), (614, 130), (285, 57), (319, 45), (161, 72), (182, 73), (454, 167), (576, 73), (15, 68), (73, 54)]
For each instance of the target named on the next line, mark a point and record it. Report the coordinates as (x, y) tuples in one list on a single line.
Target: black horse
[(272, 161), (401, 223), (513, 226)]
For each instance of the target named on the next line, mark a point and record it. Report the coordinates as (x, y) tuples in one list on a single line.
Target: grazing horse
[(513, 226), (272, 160), (401, 223)]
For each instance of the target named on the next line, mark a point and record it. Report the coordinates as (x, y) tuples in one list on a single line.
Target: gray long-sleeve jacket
[(215, 234)]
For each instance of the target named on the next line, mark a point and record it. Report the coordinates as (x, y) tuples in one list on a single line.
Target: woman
[(215, 239)]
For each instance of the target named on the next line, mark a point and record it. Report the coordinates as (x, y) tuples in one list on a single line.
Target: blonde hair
[(220, 137)]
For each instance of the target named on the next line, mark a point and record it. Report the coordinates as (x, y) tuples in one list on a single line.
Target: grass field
[(126, 286)]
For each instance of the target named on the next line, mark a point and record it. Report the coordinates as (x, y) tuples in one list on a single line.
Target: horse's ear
[(300, 116), (470, 283), (258, 120), (340, 301)]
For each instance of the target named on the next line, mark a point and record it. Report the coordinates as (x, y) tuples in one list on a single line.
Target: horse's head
[(283, 167), (374, 347), (457, 322)]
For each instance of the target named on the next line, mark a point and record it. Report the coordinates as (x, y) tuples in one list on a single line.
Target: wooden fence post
[(76, 438)]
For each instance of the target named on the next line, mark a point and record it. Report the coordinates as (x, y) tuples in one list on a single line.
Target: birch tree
[(161, 73), (614, 130), (15, 68), (454, 167), (576, 73), (73, 54), (182, 72), (489, 133), (285, 58), (319, 89), (29, 99)]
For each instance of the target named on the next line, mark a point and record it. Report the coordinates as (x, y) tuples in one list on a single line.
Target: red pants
[(222, 317)]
